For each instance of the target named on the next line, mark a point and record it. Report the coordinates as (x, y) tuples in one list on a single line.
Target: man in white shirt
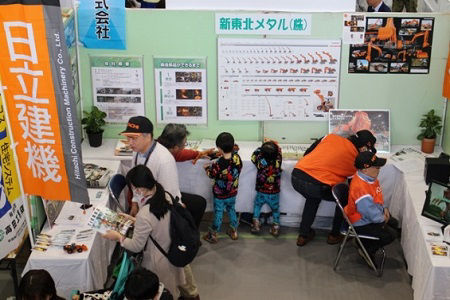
[(160, 161)]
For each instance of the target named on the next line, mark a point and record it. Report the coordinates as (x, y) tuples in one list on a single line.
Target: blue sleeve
[(370, 210)]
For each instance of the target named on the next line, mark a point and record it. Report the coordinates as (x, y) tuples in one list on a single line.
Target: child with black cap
[(365, 208), (267, 160)]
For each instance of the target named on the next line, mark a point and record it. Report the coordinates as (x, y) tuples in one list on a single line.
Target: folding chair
[(340, 192), (115, 187)]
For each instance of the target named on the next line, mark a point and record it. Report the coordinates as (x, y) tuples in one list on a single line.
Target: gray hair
[(173, 135)]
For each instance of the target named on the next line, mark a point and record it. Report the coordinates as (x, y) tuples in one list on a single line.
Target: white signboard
[(118, 86), (180, 90), (290, 24), (266, 5), (277, 79)]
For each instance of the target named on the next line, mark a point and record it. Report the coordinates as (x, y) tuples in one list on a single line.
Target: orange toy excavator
[(369, 50), (425, 38)]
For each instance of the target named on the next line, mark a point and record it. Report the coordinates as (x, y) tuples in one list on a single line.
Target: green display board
[(164, 33)]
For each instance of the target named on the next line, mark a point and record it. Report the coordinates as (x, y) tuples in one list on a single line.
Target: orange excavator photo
[(425, 35), (371, 46), (402, 53), (388, 32)]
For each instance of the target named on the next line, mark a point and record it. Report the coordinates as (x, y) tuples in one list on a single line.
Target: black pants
[(381, 230), (314, 191), (195, 204)]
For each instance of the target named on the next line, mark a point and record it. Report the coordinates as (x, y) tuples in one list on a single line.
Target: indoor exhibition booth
[(207, 70)]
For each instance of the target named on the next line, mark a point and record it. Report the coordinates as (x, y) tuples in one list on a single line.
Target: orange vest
[(331, 162), (359, 188)]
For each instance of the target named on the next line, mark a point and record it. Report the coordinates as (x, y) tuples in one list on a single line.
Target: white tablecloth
[(84, 271), (193, 179), (431, 274)]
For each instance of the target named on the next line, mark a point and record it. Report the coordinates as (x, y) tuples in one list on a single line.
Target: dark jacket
[(383, 8)]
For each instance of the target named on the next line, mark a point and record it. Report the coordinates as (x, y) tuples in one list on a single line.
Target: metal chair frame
[(351, 232), (112, 193)]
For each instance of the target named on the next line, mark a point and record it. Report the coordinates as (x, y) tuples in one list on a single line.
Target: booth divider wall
[(168, 33)]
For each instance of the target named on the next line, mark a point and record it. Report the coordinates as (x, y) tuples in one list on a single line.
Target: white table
[(431, 274), (84, 271)]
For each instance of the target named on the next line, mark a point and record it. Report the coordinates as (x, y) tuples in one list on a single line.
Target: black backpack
[(184, 235)]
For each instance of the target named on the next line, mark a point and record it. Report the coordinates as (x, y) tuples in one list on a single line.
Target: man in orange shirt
[(365, 208), (327, 162)]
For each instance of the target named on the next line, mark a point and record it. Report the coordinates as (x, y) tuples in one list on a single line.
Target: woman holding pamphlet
[(153, 219)]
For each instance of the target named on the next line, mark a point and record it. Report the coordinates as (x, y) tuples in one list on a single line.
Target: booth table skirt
[(192, 179)]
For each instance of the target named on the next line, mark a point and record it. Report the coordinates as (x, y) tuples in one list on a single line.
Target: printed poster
[(35, 69), (180, 90), (12, 217), (118, 86), (353, 29), (101, 24), (277, 79), (347, 122), (393, 45)]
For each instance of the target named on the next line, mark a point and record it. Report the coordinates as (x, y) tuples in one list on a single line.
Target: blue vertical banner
[(101, 24)]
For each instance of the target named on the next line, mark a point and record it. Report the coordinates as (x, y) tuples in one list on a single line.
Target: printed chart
[(277, 79)]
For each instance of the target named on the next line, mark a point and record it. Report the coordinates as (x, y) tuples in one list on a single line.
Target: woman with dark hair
[(174, 138), (152, 219), (38, 285)]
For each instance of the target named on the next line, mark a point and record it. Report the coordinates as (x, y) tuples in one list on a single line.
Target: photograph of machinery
[(346, 122), (393, 45)]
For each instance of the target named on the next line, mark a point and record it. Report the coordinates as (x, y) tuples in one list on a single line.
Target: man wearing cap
[(365, 208), (155, 156), (160, 161), (328, 161)]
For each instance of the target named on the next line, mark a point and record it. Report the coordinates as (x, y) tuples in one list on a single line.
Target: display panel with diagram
[(118, 86), (277, 79), (180, 90), (393, 45), (346, 122)]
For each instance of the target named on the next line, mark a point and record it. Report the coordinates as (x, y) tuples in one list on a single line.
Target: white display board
[(260, 5), (180, 90), (118, 86), (277, 79)]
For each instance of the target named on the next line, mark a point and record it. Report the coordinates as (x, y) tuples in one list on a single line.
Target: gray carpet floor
[(262, 267)]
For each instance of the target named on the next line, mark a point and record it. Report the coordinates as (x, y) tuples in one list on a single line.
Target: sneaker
[(275, 230), (335, 239), (378, 259), (303, 240), (232, 233), (256, 227), (211, 237)]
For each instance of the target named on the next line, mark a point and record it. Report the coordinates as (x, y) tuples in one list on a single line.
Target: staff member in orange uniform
[(327, 162)]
